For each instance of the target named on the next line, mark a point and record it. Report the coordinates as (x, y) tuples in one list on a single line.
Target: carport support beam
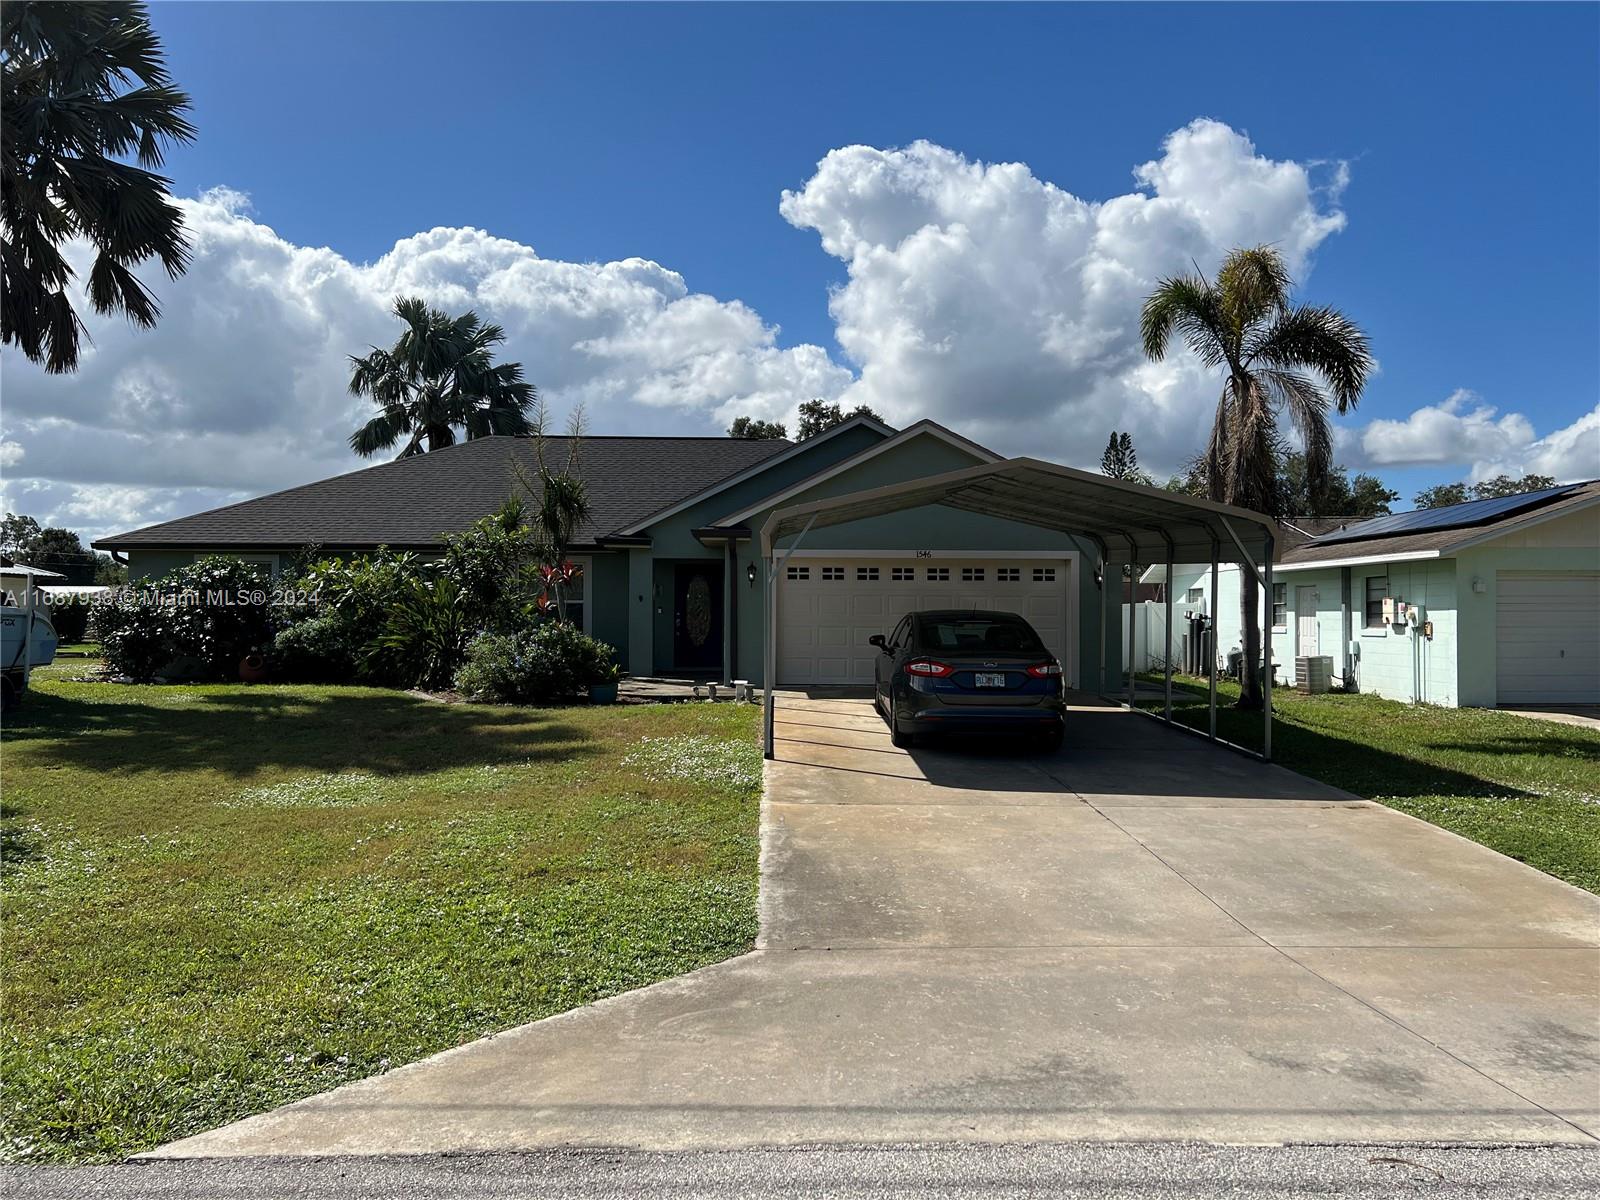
[(1169, 631), (1266, 674), (769, 666), (1211, 637), (1133, 597)]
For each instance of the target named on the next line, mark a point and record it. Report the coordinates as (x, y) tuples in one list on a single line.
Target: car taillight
[(1045, 670), (926, 666)]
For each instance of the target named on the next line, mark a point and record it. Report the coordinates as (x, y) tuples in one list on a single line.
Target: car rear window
[(979, 634)]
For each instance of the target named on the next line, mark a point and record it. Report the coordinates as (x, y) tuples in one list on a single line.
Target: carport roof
[(1129, 522)]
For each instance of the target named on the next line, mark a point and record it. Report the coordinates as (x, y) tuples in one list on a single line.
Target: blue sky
[(1469, 249)]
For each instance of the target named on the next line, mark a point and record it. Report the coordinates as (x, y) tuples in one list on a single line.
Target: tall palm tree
[(1246, 325), (68, 118), (439, 376)]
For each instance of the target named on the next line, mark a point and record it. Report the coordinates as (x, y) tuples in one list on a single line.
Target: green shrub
[(330, 639), (424, 637), (318, 649), (545, 662), (200, 619)]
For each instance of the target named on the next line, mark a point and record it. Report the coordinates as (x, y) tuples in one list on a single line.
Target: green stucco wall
[(153, 564), (930, 527)]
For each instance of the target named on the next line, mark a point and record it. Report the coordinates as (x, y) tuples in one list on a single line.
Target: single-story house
[(670, 573), (1491, 602)]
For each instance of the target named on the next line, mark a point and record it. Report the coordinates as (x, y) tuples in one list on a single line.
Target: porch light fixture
[(750, 573)]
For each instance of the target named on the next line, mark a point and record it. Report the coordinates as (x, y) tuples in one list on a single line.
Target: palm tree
[(560, 503), (439, 376), (66, 123), (1246, 325)]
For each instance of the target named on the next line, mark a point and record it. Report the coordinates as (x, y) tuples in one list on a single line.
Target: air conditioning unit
[(1313, 674)]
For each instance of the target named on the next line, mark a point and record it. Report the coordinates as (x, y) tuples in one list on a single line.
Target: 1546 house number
[(924, 553)]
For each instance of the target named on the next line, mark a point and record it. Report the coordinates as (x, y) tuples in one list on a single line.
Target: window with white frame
[(800, 573), (1280, 606), (575, 594), (1044, 574), (1377, 589), (1008, 574), (902, 574), (833, 574), (971, 574), (866, 574), (938, 575), (1194, 595)]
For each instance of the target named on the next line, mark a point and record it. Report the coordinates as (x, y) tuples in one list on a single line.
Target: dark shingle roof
[(1436, 539), (410, 502)]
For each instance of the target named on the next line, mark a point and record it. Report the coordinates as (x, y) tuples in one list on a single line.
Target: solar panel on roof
[(1453, 516)]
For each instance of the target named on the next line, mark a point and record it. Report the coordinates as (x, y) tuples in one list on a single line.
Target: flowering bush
[(542, 663), (199, 620)]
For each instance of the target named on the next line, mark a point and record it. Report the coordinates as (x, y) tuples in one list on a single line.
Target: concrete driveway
[(1142, 937)]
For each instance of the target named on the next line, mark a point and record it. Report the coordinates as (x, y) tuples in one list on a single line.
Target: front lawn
[(1529, 789), (216, 899)]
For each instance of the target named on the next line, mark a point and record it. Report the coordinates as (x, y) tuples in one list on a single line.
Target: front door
[(697, 618), (1305, 617)]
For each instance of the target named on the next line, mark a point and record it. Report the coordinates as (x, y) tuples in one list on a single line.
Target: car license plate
[(985, 679)]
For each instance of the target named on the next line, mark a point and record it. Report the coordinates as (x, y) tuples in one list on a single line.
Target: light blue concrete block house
[(1488, 604)]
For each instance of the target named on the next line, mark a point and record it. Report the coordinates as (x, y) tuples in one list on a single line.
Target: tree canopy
[(818, 416), (84, 89), (1443, 494), (439, 376), (748, 427), (1340, 495)]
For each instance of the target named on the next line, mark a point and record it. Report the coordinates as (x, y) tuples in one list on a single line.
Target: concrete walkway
[(1142, 937)]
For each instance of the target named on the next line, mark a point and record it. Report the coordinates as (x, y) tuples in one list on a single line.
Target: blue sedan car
[(967, 671)]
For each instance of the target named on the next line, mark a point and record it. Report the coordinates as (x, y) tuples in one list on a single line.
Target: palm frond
[(1254, 285), (1323, 340), (1186, 305)]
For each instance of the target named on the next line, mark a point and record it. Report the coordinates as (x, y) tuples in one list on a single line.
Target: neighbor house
[(669, 574), (1491, 602)]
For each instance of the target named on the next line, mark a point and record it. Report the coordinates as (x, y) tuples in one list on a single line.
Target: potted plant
[(603, 685)]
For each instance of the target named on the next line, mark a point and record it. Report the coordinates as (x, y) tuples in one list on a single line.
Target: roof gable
[(875, 467)]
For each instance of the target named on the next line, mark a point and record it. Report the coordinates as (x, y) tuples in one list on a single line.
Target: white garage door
[(1547, 638), (829, 607)]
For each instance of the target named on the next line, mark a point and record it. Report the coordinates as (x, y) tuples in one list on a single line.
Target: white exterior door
[(1547, 637), (1306, 635), (829, 607)]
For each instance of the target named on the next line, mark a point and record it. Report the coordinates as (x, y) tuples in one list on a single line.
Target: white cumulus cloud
[(975, 293), (1463, 429), (998, 302), (242, 386)]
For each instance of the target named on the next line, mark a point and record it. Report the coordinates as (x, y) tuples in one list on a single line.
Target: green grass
[(77, 649), (1527, 788), (216, 899)]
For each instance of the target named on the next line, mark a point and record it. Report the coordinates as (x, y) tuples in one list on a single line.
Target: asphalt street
[(1101, 1171)]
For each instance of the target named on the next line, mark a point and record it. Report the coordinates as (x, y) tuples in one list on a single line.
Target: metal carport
[(1124, 523)]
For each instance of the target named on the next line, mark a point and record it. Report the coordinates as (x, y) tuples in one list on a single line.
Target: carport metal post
[(1169, 631), (1266, 675), (769, 666), (1105, 608), (1211, 643), (1133, 597)]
